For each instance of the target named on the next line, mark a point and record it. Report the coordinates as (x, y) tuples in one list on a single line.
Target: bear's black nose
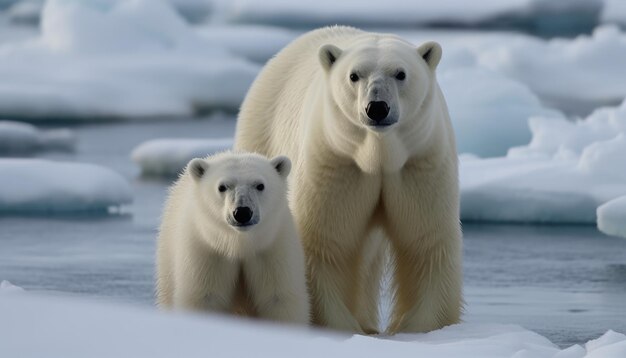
[(377, 110), (242, 214)]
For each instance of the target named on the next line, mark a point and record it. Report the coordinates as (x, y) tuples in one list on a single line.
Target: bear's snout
[(377, 111), (242, 215)]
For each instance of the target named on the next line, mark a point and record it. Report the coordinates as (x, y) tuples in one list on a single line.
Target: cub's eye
[(354, 77), (221, 188), (260, 187), (401, 76)]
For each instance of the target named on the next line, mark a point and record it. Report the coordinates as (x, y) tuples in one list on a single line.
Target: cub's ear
[(431, 53), (328, 55), (282, 165), (197, 168)]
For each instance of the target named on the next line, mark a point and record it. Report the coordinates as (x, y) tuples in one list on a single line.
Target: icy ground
[(72, 328)]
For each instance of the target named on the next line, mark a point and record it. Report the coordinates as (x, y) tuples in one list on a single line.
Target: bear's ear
[(197, 167), (282, 165), (328, 55), (431, 53)]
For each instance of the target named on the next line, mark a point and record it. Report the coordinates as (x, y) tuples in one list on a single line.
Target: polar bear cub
[(228, 242)]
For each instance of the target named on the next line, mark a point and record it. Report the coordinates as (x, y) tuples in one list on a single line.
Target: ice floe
[(567, 170), (17, 138), (43, 186)]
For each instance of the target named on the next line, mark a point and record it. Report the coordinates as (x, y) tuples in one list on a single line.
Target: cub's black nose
[(242, 214), (377, 110)]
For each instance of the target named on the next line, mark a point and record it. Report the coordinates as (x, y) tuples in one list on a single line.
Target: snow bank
[(18, 138), (168, 157), (612, 217), (565, 172), (40, 186), (575, 74), (543, 16), (61, 327), (120, 59)]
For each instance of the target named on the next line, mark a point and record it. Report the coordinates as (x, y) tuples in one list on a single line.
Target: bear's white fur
[(206, 262), (359, 188)]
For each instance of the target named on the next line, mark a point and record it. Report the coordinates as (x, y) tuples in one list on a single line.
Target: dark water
[(567, 283)]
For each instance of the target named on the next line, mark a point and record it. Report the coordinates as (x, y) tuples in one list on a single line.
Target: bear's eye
[(221, 188), (260, 187), (401, 76), (354, 77)]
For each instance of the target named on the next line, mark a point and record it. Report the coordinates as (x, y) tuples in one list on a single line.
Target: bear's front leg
[(205, 282), (332, 283), (424, 230), (427, 284)]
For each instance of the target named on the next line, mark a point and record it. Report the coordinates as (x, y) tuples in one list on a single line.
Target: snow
[(562, 176), (168, 157), (17, 138), (68, 327), (118, 59), (541, 15), (42, 186), (612, 217)]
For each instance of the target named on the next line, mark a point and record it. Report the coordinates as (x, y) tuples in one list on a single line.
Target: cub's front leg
[(277, 285), (204, 281)]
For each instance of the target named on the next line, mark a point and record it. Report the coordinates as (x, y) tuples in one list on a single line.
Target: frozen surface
[(118, 59), (169, 157), (17, 138), (565, 172), (542, 16), (56, 326), (612, 217), (42, 186)]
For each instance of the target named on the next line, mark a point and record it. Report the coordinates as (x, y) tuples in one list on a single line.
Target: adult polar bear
[(363, 119)]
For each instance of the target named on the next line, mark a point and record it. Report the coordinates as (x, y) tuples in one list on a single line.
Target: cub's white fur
[(359, 186), (206, 262)]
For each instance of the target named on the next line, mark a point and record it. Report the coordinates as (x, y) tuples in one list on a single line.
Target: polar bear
[(228, 242), (363, 119)]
